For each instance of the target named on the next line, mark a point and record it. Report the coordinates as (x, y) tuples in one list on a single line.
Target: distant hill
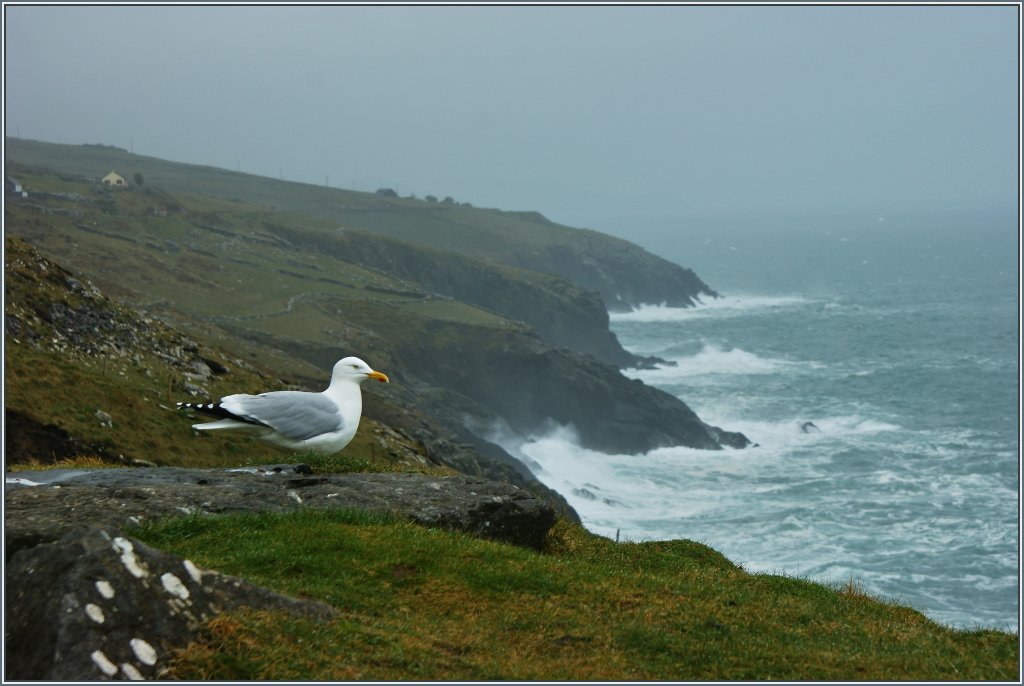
[(624, 274)]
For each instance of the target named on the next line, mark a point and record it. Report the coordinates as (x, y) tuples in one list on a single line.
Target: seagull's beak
[(383, 378)]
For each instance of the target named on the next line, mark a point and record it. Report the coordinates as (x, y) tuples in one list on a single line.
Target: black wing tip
[(199, 407), (219, 411)]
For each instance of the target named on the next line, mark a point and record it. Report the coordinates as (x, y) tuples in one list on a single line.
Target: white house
[(15, 187), (114, 179)]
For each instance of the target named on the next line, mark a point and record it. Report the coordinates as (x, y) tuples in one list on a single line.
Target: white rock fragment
[(173, 585), (295, 496), (105, 589), (95, 613), (145, 652), (194, 571), (105, 665), (131, 672), (128, 559), (22, 482)]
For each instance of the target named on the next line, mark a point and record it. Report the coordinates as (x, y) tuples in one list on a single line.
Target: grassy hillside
[(430, 318), (434, 605), (623, 273), (71, 353), (87, 376)]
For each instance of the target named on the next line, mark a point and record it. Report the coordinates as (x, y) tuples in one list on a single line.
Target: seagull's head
[(354, 369)]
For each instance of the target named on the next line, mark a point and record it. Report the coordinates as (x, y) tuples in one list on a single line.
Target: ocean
[(875, 363)]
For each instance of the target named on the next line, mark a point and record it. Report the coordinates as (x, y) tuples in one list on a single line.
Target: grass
[(436, 605), (47, 386), (56, 383), (81, 462)]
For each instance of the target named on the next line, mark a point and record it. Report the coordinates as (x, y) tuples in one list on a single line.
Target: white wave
[(713, 360), (726, 306), (635, 493), (18, 481), (786, 506)]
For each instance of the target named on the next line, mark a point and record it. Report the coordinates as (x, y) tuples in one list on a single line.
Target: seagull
[(323, 422)]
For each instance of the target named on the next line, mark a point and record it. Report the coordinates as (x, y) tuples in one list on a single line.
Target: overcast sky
[(588, 114)]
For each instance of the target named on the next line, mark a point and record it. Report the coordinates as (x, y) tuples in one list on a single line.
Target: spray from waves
[(783, 508), (662, 494), (714, 360), (728, 306)]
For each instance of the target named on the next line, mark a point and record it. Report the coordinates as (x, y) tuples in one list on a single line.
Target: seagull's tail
[(228, 420), (225, 424)]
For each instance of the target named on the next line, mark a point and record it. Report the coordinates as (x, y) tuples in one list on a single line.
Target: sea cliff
[(431, 293)]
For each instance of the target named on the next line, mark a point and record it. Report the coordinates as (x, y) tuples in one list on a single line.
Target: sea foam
[(726, 306), (714, 360)]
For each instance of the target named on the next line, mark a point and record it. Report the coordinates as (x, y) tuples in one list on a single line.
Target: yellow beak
[(383, 378)]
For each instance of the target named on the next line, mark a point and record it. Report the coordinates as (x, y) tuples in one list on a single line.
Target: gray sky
[(591, 115)]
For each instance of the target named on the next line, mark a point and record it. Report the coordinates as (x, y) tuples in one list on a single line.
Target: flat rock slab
[(42, 506)]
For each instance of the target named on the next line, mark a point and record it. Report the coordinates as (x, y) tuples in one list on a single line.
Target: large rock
[(118, 498), (97, 605), (86, 601)]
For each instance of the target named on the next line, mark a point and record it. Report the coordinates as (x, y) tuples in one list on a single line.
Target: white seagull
[(324, 422)]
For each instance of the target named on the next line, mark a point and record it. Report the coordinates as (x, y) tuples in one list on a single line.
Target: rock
[(86, 601), (98, 605), (584, 493), (28, 439), (214, 366), (119, 498), (200, 370), (193, 389), (104, 418)]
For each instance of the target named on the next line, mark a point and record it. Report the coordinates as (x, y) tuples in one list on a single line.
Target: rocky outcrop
[(488, 373), (86, 601), (42, 506), (48, 308), (562, 312), (96, 604), (625, 274)]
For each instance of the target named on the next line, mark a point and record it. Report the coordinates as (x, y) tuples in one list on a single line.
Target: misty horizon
[(598, 117)]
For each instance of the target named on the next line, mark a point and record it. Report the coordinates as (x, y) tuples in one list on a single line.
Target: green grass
[(147, 426), (245, 277), (472, 230), (428, 604)]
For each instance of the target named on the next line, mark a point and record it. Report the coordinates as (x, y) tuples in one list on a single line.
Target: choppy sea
[(898, 341)]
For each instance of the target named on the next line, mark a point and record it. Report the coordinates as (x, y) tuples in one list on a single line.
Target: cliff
[(287, 283), (88, 376), (264, 299), (559, 310), (624, 274)]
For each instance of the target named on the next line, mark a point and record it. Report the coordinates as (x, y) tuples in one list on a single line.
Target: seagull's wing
[(295, 414)]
